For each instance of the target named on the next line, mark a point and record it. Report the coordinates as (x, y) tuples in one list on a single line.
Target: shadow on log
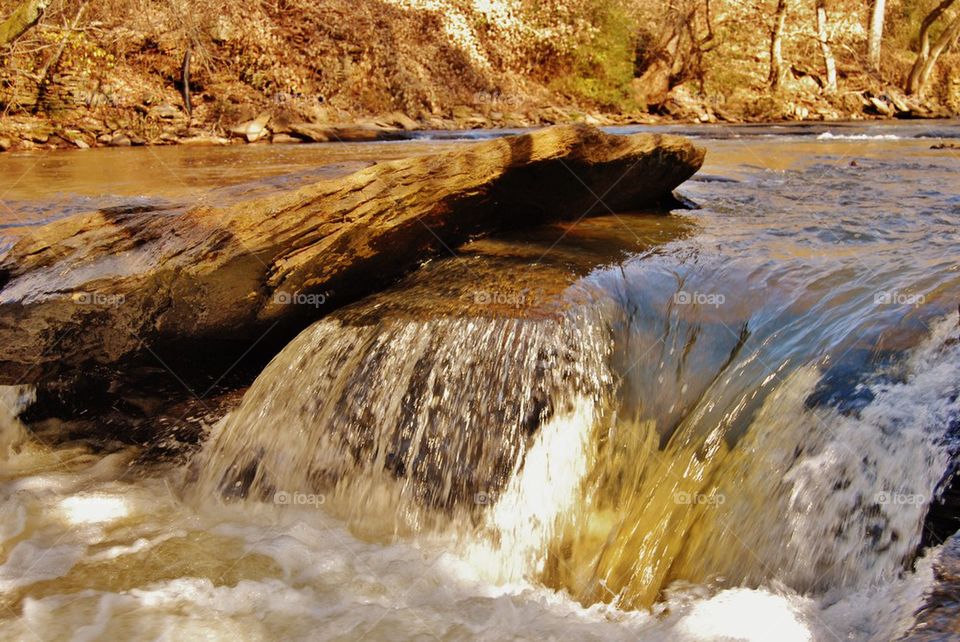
[(92, 291)]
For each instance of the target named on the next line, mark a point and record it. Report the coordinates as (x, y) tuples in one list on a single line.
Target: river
[(728, 423)]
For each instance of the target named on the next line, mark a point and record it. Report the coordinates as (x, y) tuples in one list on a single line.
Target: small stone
[(204, 139), (222, 31), (165, 111), (808, 84), (881, 106), (120, 140), (252, 130), (284, 139), (397, 119), (91, 125), (5, 144), (405, 122)]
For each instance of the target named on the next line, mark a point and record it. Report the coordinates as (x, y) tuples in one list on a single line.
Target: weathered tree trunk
[(875, 36), (92, 290), (24, 17), (913, 80), (944, 42), (776, 44), (657, 79), (823, 38), (679, 54)]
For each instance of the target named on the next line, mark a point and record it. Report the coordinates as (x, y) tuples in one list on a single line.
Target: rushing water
[(726, 424)]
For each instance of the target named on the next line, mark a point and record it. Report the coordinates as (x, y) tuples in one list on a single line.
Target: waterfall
[(521, 439)]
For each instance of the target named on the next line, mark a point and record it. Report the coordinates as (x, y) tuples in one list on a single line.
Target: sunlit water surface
[(723, 425)]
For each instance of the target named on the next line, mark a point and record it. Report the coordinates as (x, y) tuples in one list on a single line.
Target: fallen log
[(92, 290)]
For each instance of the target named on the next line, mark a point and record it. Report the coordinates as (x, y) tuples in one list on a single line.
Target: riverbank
[(166, 124), (209, 75)]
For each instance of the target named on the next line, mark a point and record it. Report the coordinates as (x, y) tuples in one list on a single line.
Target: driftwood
[(93, 290)]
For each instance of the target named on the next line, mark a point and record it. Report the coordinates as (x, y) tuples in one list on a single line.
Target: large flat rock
[(92, 290)]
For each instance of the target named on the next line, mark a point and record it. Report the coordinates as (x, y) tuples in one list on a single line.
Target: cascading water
[(446, 406), (635, 432), (523, 426)]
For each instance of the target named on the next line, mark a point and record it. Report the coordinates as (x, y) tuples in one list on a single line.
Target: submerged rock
[(95, 289), (939, 617)]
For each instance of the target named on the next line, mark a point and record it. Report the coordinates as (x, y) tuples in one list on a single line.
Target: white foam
[(832, 136), (325, 582), (543, 487), (31, 562)]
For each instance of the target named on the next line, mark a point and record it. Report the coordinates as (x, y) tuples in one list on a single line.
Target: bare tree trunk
[(776, 44), (24, 17), (913, 80), (828, 59), (876, 34), (946, 39)]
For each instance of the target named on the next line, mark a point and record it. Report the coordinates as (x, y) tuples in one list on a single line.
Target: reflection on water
[(723, 425)]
